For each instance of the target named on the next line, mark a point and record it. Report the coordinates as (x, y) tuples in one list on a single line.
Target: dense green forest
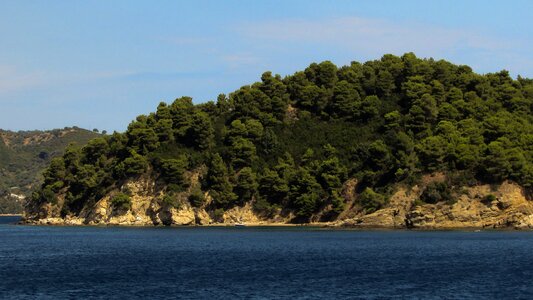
[(23, 157), (292, 142)]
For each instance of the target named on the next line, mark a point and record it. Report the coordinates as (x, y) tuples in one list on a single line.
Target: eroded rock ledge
[(508, 208)]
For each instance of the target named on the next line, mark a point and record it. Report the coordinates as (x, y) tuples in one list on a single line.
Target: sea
[(53, 262)]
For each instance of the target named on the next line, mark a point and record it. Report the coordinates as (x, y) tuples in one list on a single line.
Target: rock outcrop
[(505, 206), (482, 206), (392, 216), (146, 209)]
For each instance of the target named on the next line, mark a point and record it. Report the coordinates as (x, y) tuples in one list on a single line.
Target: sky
[(99, 64)]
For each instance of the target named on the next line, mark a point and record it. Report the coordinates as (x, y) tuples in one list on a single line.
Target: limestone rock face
[(510, 209), (507, 207), (183, 216), (392, 216), (238, 214), (146, 209), (202, 217)]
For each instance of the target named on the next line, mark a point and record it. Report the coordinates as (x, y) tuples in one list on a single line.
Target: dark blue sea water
[(261, 263)]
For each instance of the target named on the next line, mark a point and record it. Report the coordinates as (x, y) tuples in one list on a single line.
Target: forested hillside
[(23, 157), (290, 144)]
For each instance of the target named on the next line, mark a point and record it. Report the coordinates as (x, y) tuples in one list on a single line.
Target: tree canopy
[(292, 142)]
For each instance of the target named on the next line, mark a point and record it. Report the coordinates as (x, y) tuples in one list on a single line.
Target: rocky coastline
[(507, 207)]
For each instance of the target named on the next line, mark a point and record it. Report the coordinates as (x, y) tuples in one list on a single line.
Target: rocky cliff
[(481, 206), (148, 208)]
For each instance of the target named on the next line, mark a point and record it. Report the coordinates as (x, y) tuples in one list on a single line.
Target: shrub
[(371, 201), (196, 198), (175, 188), (134, 165), (437, 192), (488, 198), (48, 195), (219, 214), (172, 169), (262, 206), (171, 201), (56, 186), (121, 201), (338, 202)]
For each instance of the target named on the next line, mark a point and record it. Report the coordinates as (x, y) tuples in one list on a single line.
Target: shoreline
[(321, 226), (10, 215)]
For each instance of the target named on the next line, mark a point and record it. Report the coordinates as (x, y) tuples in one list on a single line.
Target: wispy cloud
[(371, 34), (185, 40), (240, 60), (12, 79), (371, 37), (162, 76)]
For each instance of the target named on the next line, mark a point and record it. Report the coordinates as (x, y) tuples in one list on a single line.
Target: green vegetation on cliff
[(292, 142), (23, 157)]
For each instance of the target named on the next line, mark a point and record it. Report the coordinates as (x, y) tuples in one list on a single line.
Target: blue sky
[(99, 64)]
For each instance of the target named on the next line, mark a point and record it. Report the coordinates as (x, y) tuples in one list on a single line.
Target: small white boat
[(240, 225)]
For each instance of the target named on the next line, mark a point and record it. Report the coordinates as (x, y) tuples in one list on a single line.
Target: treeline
[(291, 143), (25, 154)]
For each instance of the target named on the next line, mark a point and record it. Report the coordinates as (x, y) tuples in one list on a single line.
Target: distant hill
[(23, 157)]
